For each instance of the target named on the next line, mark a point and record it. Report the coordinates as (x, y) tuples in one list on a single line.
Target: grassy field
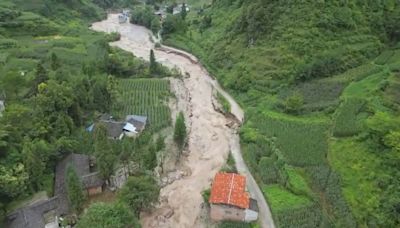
[(281, 199), (359, 168), (147, 97)]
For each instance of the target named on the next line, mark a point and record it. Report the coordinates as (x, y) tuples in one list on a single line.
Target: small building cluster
[(178, 9), (230, 201), (131, 127), (162, 12), (48, 213)]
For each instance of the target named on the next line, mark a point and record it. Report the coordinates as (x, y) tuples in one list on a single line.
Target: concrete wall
[(250, 215), (220, 212), (94, 190)]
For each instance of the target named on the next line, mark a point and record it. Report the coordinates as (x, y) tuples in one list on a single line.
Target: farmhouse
[(132, 125), (230, 201), (45, 213)]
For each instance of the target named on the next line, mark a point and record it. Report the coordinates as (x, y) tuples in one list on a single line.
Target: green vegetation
[(304, 80), (281, 199), (74, 189), (347, 121), (56, 77), (147, 97), (180, 130), (139, 193), (302, 141), (108, 216), (226, 106)]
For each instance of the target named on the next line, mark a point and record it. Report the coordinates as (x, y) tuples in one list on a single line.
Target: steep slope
[(314, 97)]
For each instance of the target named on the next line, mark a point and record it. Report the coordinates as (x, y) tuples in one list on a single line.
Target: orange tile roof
[(229, 188)]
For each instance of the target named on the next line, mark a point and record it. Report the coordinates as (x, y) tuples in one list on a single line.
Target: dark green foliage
[(108, 216), (55, 62), (268, 172), (180, 130), (183, 11), (327, 181), (347, 121), (74, 189), (206, 195), (303, 142), (139, 193), (294, 103), (173, 24), (153, 67), (145, 16), (105, 156)]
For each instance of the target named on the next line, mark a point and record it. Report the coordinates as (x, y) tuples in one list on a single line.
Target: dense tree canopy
[(104, 215)]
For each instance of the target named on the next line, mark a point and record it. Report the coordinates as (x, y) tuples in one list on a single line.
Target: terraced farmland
[(147, 97)]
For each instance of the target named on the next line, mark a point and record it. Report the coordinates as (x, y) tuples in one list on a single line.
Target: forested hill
[(56, 77), (320, 82)]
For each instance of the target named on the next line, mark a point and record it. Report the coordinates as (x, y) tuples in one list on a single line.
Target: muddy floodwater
[(209, 139)]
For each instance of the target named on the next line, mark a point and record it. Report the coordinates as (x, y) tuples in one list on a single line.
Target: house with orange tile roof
[(229, 199)]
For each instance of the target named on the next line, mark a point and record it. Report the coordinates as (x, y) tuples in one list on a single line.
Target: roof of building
[(92, 180), (31, 216), (114, 128), (129, 127), (138, 121), (142, 119), (229, 188), (81, 164)]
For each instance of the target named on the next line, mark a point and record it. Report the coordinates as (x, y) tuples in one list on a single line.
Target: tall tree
[(153, 64), (183, 11), (74, 189), (105, 156), (54, 61), (180, 130), (40, 76), (139, 193)]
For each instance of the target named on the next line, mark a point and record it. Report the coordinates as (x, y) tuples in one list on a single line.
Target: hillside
[(57, 77), (319, 81)]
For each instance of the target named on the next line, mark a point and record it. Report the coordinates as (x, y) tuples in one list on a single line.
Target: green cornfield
[(302, 141), (147, 97)]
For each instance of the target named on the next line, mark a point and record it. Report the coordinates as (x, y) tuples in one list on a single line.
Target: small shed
[(93, 183)]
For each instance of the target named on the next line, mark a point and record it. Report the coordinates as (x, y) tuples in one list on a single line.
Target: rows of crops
[(145, 97), (346, 119), (303, 142)]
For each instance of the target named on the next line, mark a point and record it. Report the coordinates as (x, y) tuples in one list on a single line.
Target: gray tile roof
[(114, 128), (31, 216), (92, 180)]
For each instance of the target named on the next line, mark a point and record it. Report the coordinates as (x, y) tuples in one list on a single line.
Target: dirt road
[(209, 139)]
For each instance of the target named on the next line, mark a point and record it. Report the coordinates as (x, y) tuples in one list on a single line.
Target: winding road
[(209, 140)]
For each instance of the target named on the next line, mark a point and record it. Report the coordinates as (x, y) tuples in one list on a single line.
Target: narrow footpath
[(209, 139)]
